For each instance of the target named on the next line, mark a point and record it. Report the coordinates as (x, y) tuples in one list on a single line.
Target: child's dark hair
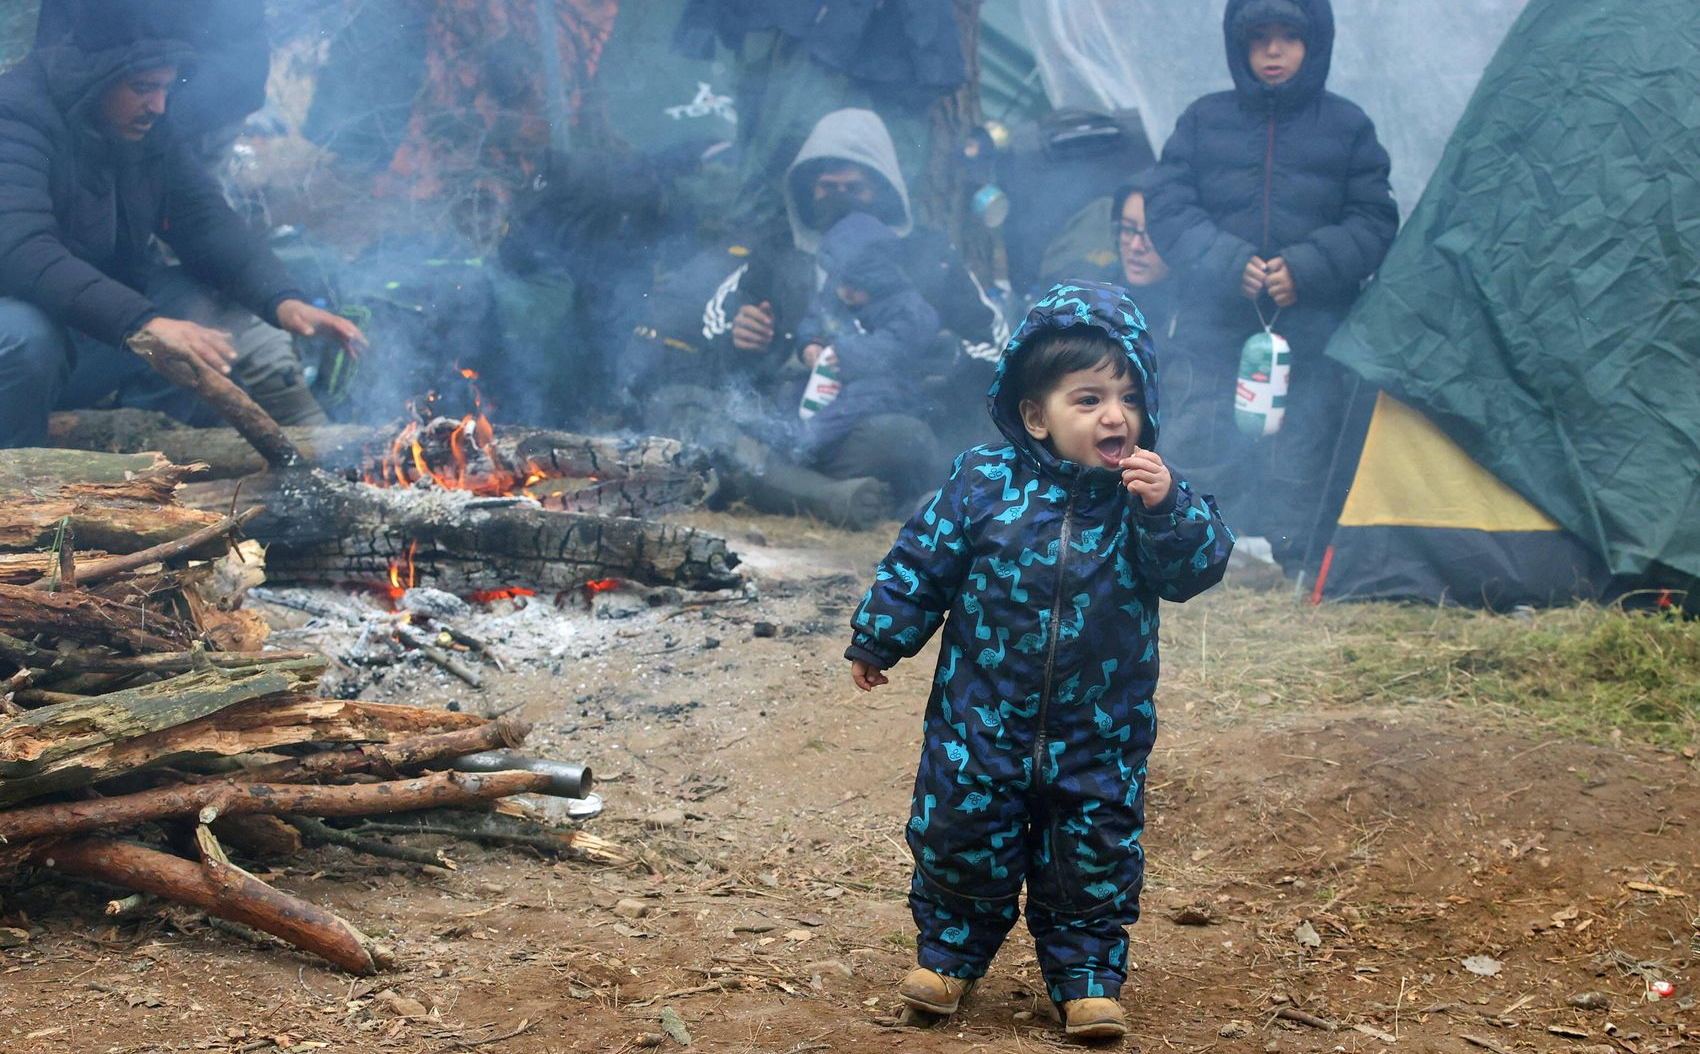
[(1048, 356)]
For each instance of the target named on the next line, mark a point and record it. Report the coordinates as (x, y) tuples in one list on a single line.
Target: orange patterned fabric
[(481, 122)]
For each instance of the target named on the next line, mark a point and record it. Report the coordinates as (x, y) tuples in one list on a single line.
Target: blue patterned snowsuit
[(1041, 715)]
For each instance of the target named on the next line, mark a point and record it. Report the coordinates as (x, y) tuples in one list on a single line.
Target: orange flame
[(471, 461), (401, 572)]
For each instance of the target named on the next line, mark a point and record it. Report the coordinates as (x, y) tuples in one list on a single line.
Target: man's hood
[(76, 79), (1312, 77), (1109, 308), (846, 135)]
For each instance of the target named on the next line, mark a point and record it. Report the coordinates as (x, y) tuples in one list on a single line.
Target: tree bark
[(394, 757), (74, 744), (100, 570), (269, 723), (88, 619), (116, 516), (222, 889), (336, 531), (210, 801)]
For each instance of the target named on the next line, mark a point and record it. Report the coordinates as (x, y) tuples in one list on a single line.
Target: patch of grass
[(1581, 671)]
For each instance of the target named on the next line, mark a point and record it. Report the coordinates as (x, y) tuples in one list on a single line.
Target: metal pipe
[(567, 780)]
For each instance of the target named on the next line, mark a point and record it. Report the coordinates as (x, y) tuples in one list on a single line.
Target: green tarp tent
[(1542, 304)]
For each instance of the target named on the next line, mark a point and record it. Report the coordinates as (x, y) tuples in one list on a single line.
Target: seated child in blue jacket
[(1044, 559), (881, 332)]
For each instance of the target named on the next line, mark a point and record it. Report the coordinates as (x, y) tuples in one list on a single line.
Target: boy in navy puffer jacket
[(1044, 559), (1271, 202)]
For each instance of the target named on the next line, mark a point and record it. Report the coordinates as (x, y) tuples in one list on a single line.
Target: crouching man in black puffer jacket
[(90, 173)]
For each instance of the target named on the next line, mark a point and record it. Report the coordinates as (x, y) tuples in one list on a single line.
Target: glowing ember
[(486, 596), (601, 585)]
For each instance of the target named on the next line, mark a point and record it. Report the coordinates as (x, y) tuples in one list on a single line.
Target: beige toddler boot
[(1095, 1018), (933, 992)]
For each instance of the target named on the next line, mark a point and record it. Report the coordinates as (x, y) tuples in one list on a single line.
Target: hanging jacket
[(78, 209), (876, 345), (1050, 574), (1290, 170)]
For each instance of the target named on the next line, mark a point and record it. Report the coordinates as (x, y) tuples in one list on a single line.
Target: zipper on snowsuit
[(1051, 649)]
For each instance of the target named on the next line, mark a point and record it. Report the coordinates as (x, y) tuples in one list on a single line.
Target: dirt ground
[(1340, 866)]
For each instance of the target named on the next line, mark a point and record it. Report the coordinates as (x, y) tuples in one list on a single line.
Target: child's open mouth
[(1111, 450)]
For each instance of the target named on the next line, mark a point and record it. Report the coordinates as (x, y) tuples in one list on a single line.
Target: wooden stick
[(505, 733), (212, 800), (319, 832), (421, 643), (1485, 1044), (161, 661), (222, 394), (224, 890), (99, 570)]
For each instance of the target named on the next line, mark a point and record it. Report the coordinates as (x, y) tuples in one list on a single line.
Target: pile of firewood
[(143, 727)]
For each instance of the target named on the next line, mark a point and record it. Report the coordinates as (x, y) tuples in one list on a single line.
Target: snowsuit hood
[(861, 252), (1317, 29), (1106, 307), (846, 135)]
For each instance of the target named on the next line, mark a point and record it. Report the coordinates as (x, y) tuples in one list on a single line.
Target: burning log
[(336, 531), (224, 890)]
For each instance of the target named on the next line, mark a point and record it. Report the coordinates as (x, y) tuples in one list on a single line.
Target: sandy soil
[(1342, 865)]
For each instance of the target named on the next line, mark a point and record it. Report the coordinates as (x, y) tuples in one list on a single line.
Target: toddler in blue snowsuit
[(1044, 559)]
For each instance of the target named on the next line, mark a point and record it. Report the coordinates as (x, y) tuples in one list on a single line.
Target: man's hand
[(1280, 284), (867, 677), (211, 346), (752, 327), (305, 320), (1146, 477), (1253, 278), (811, 354)]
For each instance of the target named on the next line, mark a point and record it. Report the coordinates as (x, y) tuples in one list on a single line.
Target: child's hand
[(867, 677), (1253, 278), (1146, 477), (1280, 284)]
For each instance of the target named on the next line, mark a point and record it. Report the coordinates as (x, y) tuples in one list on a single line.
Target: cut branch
[(222, 394), (416, 752), (210, 801), (100, 570), (223, 890)]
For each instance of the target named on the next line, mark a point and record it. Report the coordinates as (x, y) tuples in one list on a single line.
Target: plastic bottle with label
[(1260, 391), (822, 387)]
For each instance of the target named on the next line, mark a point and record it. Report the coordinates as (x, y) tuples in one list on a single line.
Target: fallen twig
[(1485, 1044), (1288, 1013)]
